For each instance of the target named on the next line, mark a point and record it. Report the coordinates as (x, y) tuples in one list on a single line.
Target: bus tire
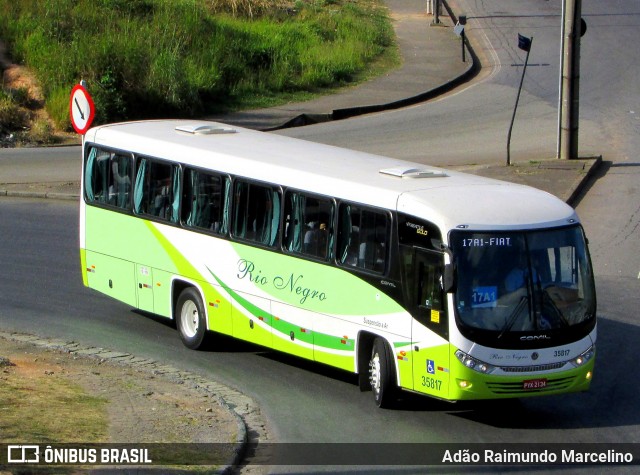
[(191, 319), (382, 374)]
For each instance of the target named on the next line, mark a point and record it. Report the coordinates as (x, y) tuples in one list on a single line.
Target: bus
[(414, 278)]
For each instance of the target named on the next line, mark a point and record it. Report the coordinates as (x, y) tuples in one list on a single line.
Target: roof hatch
[(205, 129), (405, 172)]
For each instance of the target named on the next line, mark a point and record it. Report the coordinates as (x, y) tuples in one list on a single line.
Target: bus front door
[(430, 325)]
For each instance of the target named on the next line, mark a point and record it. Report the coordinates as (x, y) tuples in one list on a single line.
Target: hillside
[(184, 58)]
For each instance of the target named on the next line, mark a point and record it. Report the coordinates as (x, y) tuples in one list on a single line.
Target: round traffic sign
[(81, 109)]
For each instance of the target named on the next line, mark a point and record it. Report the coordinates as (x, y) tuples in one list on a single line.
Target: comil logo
[(23, 454)]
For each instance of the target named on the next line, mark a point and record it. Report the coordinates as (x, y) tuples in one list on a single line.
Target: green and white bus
[(414, 278)]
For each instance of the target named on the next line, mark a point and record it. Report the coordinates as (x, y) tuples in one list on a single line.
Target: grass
[(12, 112), (153, 58), (29, 399)]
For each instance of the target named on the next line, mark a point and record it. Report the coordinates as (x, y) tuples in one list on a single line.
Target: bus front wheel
[(191, 319), (382, 374)]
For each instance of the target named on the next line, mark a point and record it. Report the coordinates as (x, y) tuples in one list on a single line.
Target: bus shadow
[(610, 402), (214, 342), (308, 365)]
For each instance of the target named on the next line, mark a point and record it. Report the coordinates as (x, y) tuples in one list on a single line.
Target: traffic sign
[(458, 29), (81, 109)]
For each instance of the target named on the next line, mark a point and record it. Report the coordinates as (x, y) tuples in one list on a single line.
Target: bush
[(150, 58), (42, 132), (12, 116), (57, 107)]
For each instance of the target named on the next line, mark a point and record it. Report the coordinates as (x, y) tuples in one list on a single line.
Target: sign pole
[(525, 44), (463, 57), (458, 29)]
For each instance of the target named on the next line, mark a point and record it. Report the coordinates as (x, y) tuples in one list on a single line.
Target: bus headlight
[(584, 357), (474, 363)]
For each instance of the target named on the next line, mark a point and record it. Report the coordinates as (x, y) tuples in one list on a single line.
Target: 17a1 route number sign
[(81, 109)]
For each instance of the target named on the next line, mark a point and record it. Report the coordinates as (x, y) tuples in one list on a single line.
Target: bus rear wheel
[(191, 319), (382, 374)]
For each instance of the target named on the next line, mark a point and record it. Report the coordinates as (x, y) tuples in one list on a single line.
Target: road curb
[(39, 195), (243, 408), (579, 184), (340, 114)]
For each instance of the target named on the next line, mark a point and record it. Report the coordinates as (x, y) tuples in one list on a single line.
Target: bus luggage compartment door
[(251, 317), (144, 287), (111, 276)]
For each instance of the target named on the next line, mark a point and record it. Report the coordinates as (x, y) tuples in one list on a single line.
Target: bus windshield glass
[(524, 282)]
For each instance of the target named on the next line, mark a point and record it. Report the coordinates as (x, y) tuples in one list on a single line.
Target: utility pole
[(569, 113), (436, 12)]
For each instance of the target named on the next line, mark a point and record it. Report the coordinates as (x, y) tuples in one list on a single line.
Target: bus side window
[(363, 238), (95, 178), (120, 181), (108, 178), (157, 189), (204, 201), (308, 225), (256, 215)]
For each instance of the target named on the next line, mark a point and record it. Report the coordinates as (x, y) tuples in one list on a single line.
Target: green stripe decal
[(251, 308), (323, 340), (314, 286), (184, 267)]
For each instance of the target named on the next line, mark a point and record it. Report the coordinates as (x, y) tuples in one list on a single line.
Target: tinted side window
[(108, 177), (205, 201), (256, 215), (363, 238), (157, 190), (308, 227)]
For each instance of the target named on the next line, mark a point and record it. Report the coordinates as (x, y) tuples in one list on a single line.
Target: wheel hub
[(190, 318), (374, 373)]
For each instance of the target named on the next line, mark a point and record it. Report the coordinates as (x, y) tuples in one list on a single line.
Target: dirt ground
[(18, 77), (143, 404), (142, 407)]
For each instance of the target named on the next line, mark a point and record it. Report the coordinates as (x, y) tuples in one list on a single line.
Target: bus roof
[(448, 198)]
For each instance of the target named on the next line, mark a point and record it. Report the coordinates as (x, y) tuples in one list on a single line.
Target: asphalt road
[(57, 164), (41, 290), (471, 124)]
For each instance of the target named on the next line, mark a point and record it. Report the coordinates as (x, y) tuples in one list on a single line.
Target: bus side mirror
[(449, 281)]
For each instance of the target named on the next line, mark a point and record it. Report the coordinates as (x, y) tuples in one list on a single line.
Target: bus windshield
[(524, 282)]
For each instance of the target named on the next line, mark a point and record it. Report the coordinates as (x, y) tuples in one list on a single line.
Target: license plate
[(534, 384)]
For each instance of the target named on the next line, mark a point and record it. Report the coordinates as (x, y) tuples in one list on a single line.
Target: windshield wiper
[(546, 298), (524, 300)]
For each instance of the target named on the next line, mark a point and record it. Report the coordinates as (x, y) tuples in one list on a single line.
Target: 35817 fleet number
[(431, 383)]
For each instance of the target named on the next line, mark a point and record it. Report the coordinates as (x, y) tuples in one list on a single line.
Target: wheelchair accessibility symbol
[(431, 367)]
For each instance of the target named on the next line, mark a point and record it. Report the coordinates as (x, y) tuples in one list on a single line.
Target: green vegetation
[(30, 397), (12, 113), (152, 58)]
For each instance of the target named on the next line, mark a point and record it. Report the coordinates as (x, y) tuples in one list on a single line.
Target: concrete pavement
[(432, 65)]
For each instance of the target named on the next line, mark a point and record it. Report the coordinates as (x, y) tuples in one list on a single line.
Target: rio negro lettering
[(292, 283)]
